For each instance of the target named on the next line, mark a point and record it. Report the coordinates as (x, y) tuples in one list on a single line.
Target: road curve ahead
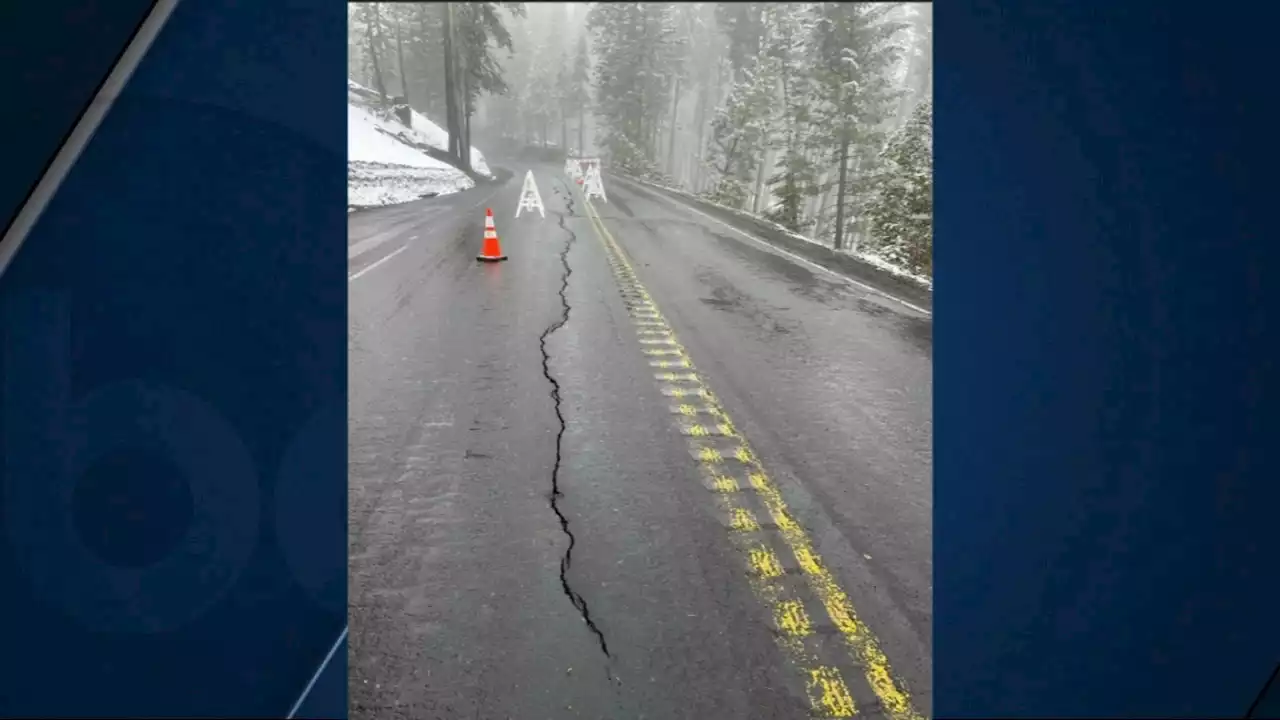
[(645, 468)]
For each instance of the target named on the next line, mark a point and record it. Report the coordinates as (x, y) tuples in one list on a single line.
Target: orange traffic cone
[(491, 251)]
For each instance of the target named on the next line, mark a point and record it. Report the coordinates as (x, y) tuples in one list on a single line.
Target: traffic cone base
[(491, 251)]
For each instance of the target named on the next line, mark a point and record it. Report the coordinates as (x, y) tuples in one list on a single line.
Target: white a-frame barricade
[(578, 167), (593, 186), (529, 197)]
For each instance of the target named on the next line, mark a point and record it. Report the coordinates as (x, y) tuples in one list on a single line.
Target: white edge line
[(356, 275), (323, 664), (84, 130), (770, 246), (393, 253)]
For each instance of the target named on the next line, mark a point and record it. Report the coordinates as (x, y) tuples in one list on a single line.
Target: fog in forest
[(814, 116)]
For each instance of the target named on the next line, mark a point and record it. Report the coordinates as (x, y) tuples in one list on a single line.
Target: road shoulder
[(842, 264)]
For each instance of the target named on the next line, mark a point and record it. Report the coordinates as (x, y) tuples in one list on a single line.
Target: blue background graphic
[(174, 369), (1104, 467)]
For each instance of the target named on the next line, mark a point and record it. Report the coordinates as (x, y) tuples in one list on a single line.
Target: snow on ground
[(385, 165), (437, 137), (374, 184), (872, 259), (382, 170), (423, 131), (368, 141)]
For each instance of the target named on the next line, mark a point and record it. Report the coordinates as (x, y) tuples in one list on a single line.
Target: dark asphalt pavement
[(501, 414)]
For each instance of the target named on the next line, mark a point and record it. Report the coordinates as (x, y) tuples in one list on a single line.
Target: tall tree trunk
[(431, 101), (404, 80), (908, 89), (854, 237), (729, 158), (675, 116), (789, 147), (819, 208), (926, 87), (467, 111), (374, 33), (840, 192), (450, 92), (919, 80), (655, 130), (827, 188), (462, 85), (582, 130), (765, 164), (700, 147), (433, 95), (709, 99), (809, 208), (926, 84)]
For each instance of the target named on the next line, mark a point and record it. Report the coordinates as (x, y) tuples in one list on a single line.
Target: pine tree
[(372, 44), (619, 100), (790, 32), (424, 36), (357, 65), (744, 25), (709, 50), (638, 51), (854, 51), (739, 132), (917, 68), (686, 24), (742, 127), (472, 32), (901, 216), (483, 32)]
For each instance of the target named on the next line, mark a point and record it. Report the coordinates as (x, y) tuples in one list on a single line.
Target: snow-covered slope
[(383, 165), (368, 140), (382, 170), (423, 131), (435, 136)]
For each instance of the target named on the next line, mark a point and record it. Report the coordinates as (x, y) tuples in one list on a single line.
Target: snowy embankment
[(385, 165), (381, 170)]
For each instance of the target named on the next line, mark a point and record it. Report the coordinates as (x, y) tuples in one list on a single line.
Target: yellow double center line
[(729, 465)]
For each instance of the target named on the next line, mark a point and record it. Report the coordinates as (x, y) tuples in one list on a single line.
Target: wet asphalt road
[(469, 482)]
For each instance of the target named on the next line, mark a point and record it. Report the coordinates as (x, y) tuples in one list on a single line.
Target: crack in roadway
[(568, 201), (567, 559)]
